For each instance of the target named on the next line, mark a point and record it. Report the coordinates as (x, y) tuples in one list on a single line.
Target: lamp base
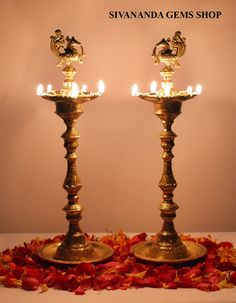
[(100, 252), (144, 252)]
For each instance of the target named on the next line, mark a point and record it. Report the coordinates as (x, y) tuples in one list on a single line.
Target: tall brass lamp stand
[(168, 247), (75, 248)]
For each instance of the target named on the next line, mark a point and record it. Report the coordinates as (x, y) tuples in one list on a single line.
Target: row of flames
[(75, 90), (167, 88)]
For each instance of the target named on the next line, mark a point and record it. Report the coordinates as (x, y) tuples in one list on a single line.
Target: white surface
[(118, 296)]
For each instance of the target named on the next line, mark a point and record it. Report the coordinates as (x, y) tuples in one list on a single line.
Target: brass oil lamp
[(75, 248), (168, 246)]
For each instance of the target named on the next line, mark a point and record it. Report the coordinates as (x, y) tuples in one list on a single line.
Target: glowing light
[(84, 88), (153, 86), (39, 89), (134, 90), (189, 89), (167, 89), (101, 87), (49, 88), (198, 89), (74, 90)]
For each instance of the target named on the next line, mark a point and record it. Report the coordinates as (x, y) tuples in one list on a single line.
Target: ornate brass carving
[(66, 49), (170, 50), (75, 245), (167, 106), (168, 242), (69, 106), (101, 252)]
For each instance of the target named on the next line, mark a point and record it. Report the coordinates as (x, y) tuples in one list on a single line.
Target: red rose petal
[(170, 285), (11, 281), (18, 272), (60, 282), (185, 283), (80, 290), (107, 281), (72, 282), (203, 286), (138, 238), (30, 283), (226, 244), (86, 268), (146, 282), (233, 278), (3, 270)]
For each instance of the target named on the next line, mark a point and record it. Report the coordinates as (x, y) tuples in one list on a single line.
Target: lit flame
[(134, 90), (189, 90), (101, 87), (39, 89), (167, 89), (74, 90), (198, 89), (84, 88), (49, 88), (153, 86)]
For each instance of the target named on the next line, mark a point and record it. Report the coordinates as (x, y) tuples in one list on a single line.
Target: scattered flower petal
[(30, 283), (21, 267)]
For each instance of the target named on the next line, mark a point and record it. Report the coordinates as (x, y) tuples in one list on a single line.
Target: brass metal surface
[(170, 50), (101, 252), (167, 106), (66, 49), (69, 106), (143, 251)]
